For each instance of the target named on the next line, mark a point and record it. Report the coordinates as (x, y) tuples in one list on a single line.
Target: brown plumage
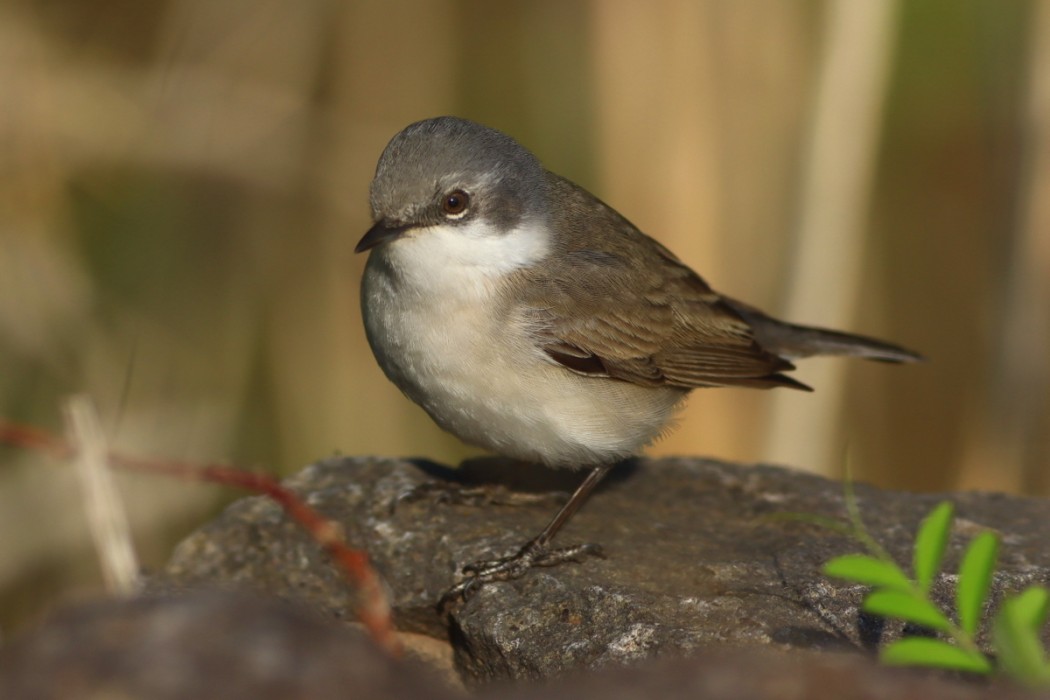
[(622, 305)]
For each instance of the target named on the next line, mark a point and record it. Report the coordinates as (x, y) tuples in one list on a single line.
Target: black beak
[(379, 234)]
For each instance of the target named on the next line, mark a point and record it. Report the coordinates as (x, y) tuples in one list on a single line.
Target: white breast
[(437, 322)]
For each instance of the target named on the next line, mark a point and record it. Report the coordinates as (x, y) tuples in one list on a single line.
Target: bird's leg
[(537, 551)]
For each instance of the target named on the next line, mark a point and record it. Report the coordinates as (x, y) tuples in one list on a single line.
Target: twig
[(373, 608)]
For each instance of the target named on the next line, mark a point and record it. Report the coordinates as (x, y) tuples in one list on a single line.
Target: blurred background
[(182, 183)]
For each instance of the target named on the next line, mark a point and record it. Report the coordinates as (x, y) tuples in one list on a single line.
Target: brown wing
[(613, 302)]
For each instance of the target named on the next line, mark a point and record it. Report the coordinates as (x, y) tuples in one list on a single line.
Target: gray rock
[(700, 554), (202, 645), (207, 645), (764, 674)]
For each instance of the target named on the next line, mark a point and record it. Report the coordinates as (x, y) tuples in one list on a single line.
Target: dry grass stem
[(106, 516)]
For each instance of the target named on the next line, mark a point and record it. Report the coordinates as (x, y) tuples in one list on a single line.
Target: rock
[(764, 674), (210, 645), (700, 555), (202, 645)]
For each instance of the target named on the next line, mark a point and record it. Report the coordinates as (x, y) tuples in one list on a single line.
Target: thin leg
[(572, 505), (536, 551)]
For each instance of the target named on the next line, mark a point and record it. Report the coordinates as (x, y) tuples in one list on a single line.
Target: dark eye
[(455, 202)]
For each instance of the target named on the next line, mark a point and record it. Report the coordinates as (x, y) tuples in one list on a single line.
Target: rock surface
[(700, 554), (203, 645), (703, 562), (230, 646), (764, 674)]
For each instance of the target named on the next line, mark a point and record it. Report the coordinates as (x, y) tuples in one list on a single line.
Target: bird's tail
[(794, 341)]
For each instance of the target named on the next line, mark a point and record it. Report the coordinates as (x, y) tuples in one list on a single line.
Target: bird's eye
[(455, 203)]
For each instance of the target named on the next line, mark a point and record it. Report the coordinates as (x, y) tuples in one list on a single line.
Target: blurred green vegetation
[(183, 181)]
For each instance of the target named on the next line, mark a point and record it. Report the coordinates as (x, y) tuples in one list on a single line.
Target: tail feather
[(794, 341)]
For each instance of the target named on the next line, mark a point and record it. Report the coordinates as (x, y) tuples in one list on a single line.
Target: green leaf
[(1015, 633), (930, 543), (860, 568), (906, 607), (1031, 607), (975, 578), (935, 653)]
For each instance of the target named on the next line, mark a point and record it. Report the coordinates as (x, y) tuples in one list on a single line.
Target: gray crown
[(432, 157)]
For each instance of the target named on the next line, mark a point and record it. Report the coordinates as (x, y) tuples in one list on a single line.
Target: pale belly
[(479, 376)]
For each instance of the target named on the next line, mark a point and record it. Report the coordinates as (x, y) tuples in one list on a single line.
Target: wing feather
[(613, 302)]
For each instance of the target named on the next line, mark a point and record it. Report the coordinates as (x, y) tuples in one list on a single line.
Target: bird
[(528, 317)]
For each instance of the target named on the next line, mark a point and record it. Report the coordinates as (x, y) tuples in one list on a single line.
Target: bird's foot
[(533, 554)]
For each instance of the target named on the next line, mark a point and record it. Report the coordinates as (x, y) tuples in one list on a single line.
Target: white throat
[(456, 259)]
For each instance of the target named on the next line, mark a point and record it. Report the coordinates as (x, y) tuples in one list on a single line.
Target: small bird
[(528, 317)]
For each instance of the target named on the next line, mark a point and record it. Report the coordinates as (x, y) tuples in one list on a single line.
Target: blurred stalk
[(655, 131), (103, 506), (328, 391), (1008, 444), (826, 270)]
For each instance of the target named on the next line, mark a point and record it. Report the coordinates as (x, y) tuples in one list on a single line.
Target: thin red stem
[(373, 608)]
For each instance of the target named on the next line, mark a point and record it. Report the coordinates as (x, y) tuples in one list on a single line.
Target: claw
[(536, 552), (533, 554)]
